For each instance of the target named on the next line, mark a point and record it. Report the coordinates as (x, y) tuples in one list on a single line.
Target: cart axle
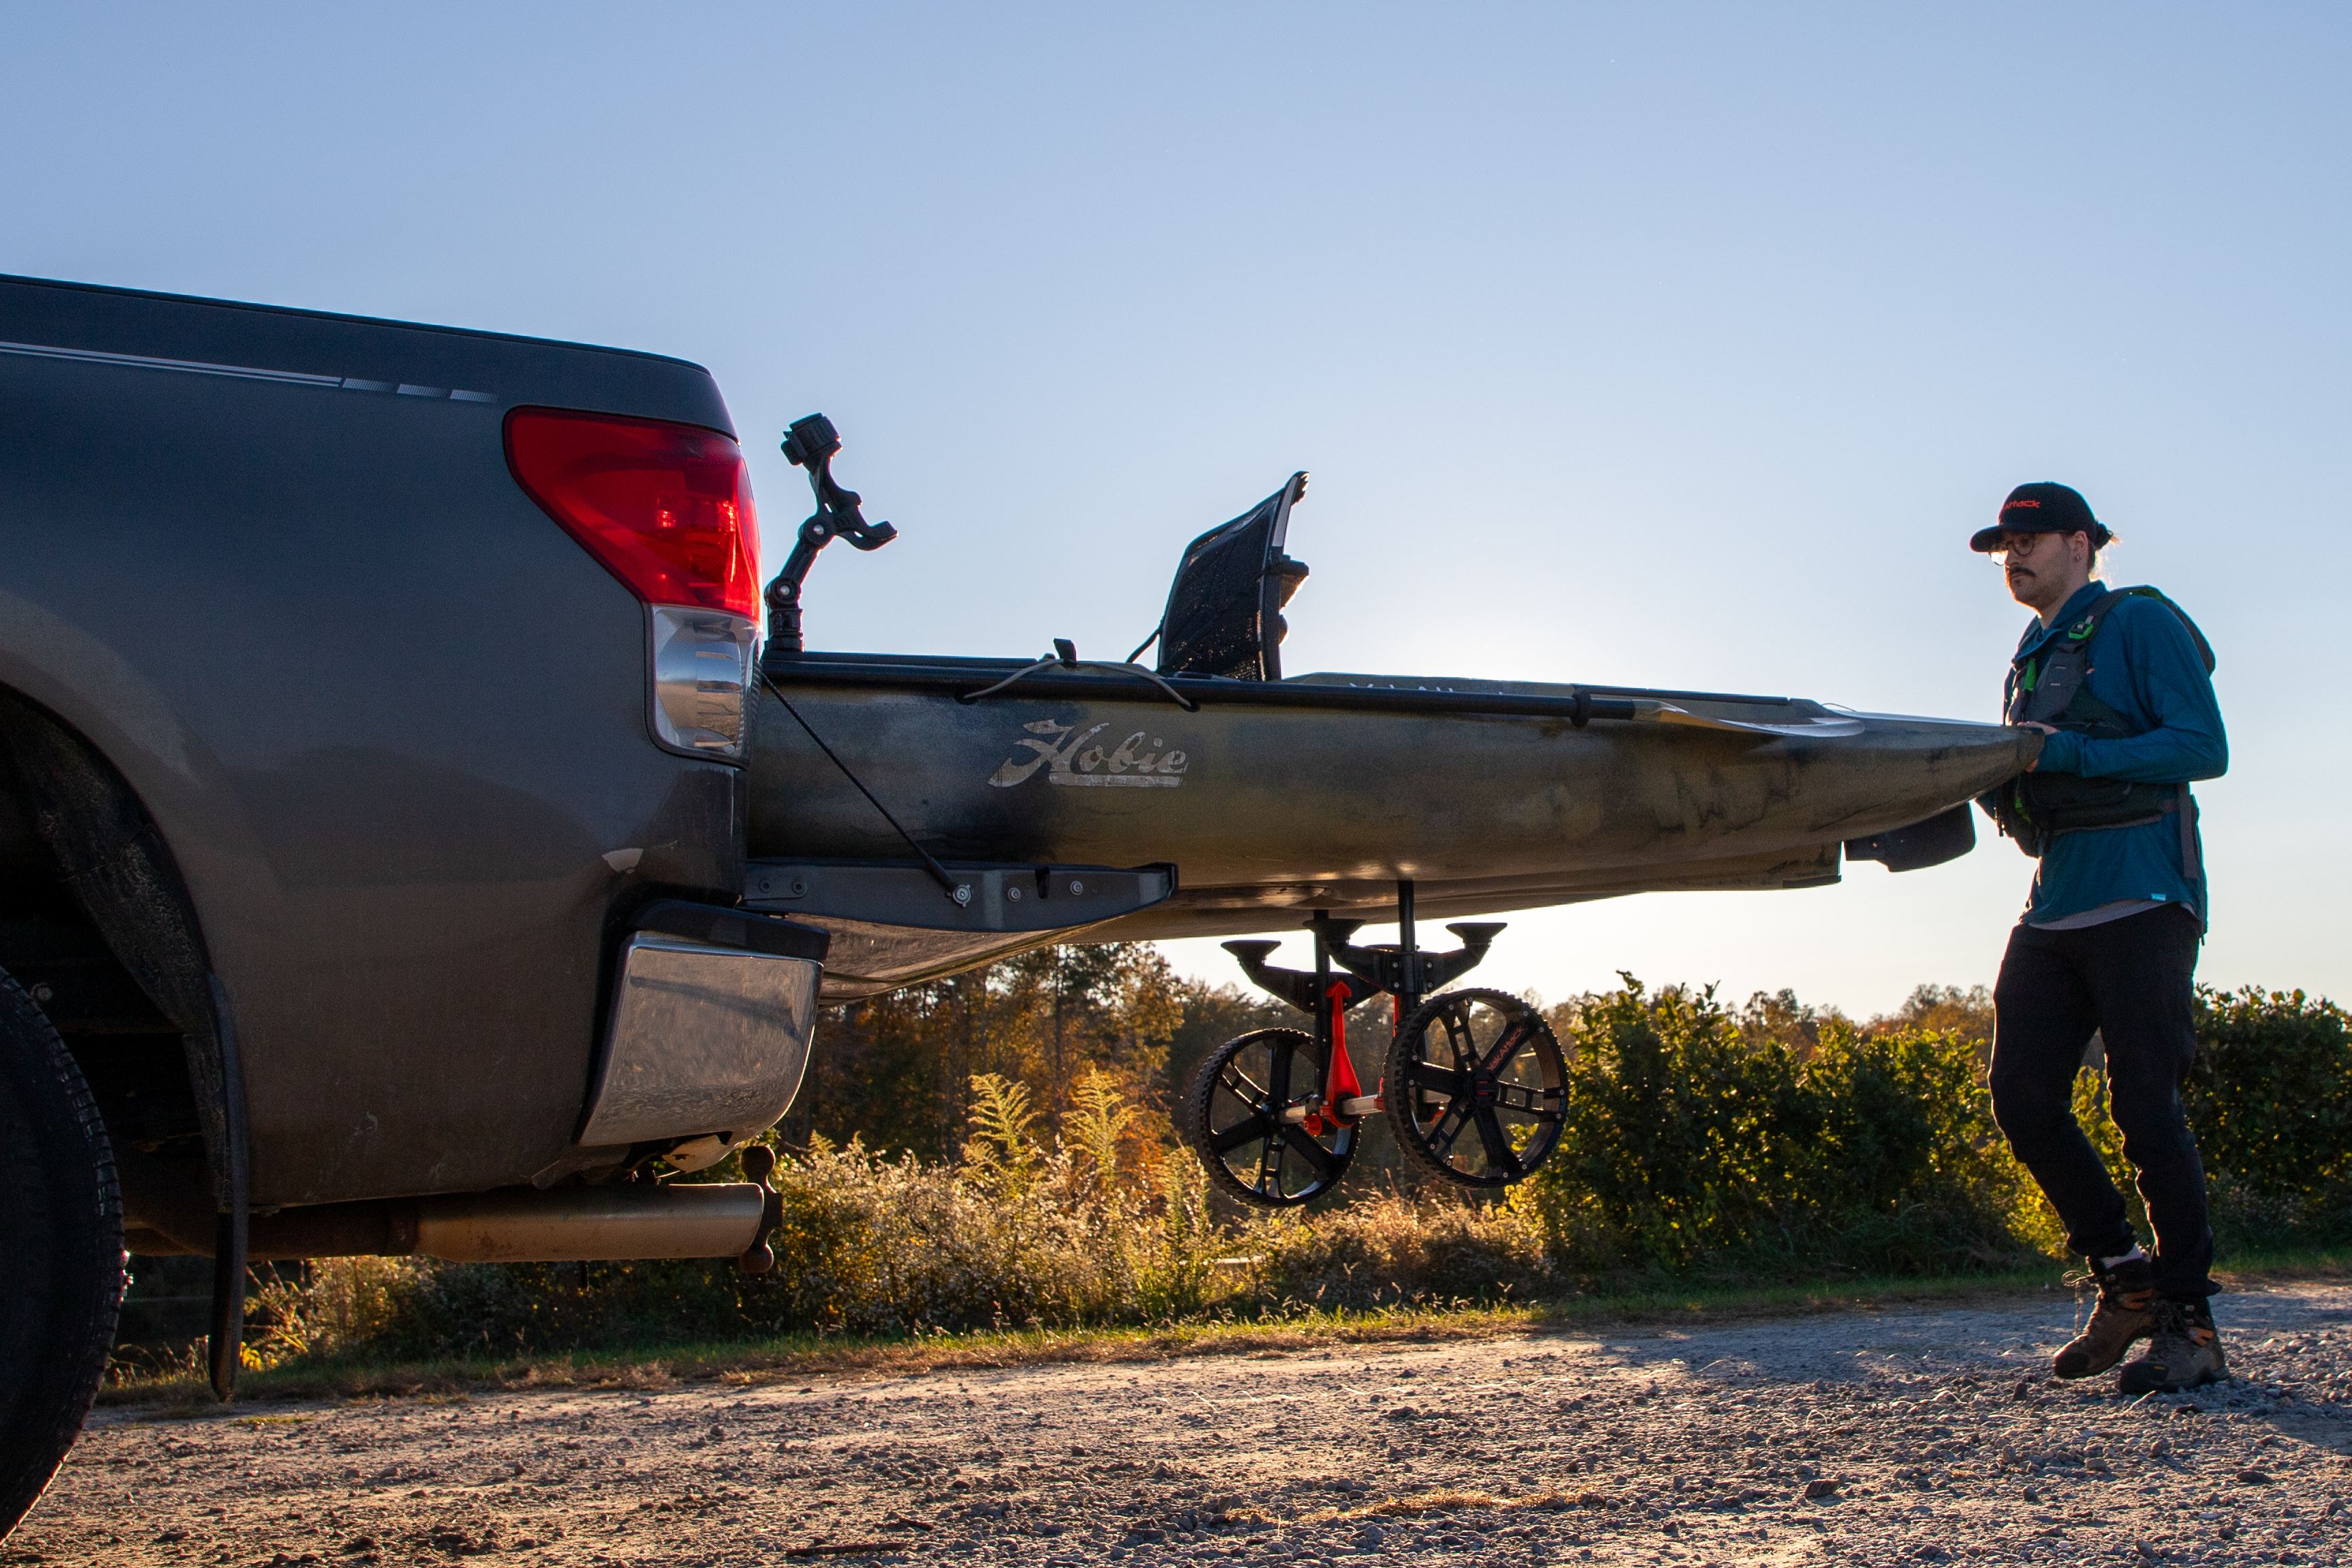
[(1353, 1110)]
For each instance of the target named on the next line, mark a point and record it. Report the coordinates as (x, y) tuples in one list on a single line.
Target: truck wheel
[(60, 1248)]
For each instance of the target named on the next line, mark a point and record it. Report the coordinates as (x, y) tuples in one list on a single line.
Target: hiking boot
[(2125, 1315), (2186, 1351)]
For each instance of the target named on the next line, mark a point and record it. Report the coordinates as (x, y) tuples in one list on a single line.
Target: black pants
[(2132, 981)]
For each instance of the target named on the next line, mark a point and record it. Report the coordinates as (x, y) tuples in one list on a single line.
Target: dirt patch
[(1911, 1433), (798, 1358)]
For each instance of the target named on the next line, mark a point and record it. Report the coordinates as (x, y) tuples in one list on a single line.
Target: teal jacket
[(2145, 664)]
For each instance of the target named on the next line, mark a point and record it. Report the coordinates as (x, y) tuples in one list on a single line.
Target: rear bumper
[(713, 1013)]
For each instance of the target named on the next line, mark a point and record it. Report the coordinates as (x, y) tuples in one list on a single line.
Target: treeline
[(896, 1072)]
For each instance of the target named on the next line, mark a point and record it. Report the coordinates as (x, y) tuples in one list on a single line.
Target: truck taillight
[(667, 508)]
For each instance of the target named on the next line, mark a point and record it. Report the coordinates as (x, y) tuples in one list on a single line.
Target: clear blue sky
[(1667, 345)]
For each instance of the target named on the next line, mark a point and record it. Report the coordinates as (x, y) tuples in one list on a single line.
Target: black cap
[(2044, 509)]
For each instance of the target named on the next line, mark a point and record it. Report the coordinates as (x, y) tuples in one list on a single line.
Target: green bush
[(2271, 1091), (2270, 1098), (1691, 1147)]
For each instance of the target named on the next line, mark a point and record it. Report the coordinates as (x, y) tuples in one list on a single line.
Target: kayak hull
[(1322, 792)]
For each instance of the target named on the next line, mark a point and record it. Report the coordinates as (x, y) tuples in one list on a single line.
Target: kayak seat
[(1224, 609)]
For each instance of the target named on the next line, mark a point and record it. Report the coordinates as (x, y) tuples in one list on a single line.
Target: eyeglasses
[(2016, 544)]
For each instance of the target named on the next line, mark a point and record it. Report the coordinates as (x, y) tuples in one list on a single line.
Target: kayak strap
[(1064, 656), (958, 892)]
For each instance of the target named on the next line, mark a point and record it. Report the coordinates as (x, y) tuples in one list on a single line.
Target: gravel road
[(1905, 1434)]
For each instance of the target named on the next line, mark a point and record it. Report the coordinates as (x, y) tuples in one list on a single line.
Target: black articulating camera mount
[(810, 443)]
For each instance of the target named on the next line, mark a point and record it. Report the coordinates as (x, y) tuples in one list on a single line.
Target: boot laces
[(2111, 1291), (2192, 1323)]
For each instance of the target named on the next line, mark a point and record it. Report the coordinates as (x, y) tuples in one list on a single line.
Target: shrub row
[(1693, 1147)]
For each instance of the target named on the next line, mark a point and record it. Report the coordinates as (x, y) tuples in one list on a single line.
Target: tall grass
[(1703, 1147)]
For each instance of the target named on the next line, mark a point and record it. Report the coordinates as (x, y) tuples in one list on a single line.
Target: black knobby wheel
[(61, 1245), (1234, 1114), (1474, 1087)]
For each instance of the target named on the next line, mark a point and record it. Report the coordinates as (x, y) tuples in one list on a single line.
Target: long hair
[(2099, 556)]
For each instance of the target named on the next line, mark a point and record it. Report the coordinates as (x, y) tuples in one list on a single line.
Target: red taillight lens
[(667, 507)]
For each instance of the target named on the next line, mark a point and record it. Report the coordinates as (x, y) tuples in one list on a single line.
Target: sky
[(1662, 345)]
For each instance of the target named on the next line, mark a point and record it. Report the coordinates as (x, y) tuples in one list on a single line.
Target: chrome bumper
[(713, 1013)]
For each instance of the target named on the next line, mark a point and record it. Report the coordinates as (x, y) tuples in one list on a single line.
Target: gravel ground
[(1906, 1434)]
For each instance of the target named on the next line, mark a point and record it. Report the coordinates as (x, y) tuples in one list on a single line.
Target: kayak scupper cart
[(935, 813)]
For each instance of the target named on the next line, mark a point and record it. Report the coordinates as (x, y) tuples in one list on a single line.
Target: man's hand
[(2044, 729)]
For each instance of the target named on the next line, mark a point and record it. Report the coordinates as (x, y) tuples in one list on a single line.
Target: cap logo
[(2028, 501)]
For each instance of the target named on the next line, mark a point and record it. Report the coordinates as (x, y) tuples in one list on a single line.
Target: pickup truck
[(373, 811), (409, 844)]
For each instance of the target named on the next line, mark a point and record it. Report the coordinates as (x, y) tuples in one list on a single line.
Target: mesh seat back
[(1224, 615)]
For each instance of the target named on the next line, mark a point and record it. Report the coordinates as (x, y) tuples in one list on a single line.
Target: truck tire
[(61, 1251)]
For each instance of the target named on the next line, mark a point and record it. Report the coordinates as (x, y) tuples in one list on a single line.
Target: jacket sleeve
[(2168, 685)]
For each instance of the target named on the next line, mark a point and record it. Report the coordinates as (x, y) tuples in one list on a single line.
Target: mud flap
[(231, 1236)]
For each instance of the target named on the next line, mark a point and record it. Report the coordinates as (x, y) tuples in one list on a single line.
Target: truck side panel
[(388, 716)]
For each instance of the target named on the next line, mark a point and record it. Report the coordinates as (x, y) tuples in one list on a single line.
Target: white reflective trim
[(239, 372)]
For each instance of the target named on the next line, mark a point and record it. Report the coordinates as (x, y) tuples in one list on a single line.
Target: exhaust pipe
[(570, 1223), (512, 1224)]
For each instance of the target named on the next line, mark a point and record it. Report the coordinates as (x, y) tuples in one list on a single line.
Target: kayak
[(934, 814), (879, 784)]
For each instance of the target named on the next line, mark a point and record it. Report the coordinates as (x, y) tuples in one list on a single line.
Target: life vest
[(2050, 685)]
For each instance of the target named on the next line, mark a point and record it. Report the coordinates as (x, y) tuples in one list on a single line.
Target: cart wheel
[(1474, 1087), (1233, 1115)]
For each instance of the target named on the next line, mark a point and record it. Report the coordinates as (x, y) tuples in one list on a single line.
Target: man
[(2120, 683)]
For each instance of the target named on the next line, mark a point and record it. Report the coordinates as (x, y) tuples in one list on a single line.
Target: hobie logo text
[(1072, 756)]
